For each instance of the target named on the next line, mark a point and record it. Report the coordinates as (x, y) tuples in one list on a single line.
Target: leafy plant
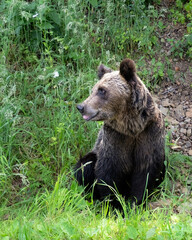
[(182, 14), (49, 52), (77, 28)]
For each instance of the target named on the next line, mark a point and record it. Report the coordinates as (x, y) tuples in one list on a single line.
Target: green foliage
[(183, 14), (32, 30), (64, 214), (49, 51), (43, 44), (153, 71), (41, 132), (182, 48)]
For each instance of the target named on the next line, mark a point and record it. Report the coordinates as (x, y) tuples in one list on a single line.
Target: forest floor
[(175, 98), (42, 133)]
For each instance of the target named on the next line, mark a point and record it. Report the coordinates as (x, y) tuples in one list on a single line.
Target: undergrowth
[(182, 13), (49, 52), (73, 33)]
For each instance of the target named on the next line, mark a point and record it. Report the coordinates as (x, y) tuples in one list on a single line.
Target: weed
[(182, 14), (49, 51), (79, 30), (155, 71)]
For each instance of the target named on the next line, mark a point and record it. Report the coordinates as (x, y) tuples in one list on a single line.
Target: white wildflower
[(35, 15), (56, 74)]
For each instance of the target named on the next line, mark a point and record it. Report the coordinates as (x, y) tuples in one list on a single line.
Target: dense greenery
[(49, 52)]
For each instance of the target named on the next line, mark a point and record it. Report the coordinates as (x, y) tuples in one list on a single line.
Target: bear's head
[(112, 94)]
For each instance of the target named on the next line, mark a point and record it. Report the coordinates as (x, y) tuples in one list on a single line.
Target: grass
[(48, 59), (63, 213)]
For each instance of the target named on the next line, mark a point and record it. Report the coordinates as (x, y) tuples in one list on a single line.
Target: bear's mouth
[(88, 118)]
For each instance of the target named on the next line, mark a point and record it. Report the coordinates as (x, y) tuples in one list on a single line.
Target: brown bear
[(129, 153)]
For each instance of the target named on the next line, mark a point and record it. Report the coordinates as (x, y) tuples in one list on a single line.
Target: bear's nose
[(80, 108)]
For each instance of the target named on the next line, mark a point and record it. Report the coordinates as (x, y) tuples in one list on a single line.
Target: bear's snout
[(87, 111), (80, 108)]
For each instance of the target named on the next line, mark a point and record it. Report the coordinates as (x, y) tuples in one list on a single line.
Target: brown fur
[(130, 145)]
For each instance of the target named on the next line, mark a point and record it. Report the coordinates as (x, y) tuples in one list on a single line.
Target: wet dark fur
[(129, 152)]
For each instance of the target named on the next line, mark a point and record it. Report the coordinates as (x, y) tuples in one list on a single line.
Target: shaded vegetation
[(49, 52)]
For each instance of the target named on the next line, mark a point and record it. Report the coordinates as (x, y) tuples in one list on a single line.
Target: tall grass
[(75, 33), (64, 214), (49, 52), (41, 132)]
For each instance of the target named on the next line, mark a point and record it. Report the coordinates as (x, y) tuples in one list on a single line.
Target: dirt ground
[(175, 98)]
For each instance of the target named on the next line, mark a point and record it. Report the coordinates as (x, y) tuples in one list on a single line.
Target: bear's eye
[(101, 91)]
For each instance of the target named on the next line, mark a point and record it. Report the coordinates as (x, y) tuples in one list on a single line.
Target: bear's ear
[(102, 70), (127, 69)]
